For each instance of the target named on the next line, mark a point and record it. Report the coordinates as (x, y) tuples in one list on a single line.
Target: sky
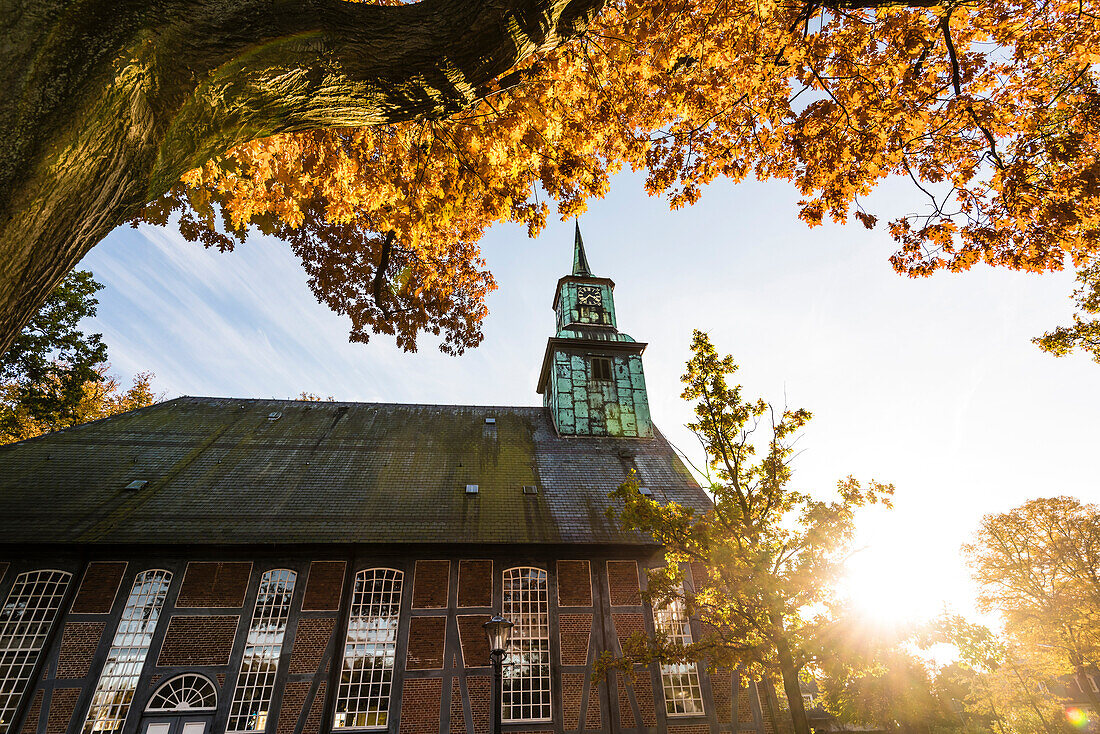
[(930, 384)]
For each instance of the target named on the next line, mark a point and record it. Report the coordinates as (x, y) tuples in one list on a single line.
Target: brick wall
[(198, 640), (294, 699), (420, 702), (478, 688), (62, 704), (572, 689), (30, 724), (643, 694), (310, 640), (593, 717), (689, 729), (324, 585), (214, 584), (79, 641), (475, 583), (316, 710), (626, 711), (574, 633), (99, 587), (574, 584), (622, 578), (475, 645), (721, 683), (430, 584), (427, 639), (627, 624), (458, 713)]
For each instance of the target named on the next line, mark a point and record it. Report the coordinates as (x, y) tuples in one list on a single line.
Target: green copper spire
[(591, 380), (580, 262)]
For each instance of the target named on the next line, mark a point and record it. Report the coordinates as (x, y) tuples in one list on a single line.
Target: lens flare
[(1077, 717)]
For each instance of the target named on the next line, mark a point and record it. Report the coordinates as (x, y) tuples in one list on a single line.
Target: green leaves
[(763, 563), (52, 359)]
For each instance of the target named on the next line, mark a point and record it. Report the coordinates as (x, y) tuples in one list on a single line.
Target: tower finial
[(580, 262)]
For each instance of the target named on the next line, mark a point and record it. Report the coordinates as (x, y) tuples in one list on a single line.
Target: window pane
[(25, 622), (680, 680), (260, 663), (117, 682), (363, 701), (527, 663)]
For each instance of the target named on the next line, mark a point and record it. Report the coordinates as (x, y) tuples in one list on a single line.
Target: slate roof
[(219, 471)]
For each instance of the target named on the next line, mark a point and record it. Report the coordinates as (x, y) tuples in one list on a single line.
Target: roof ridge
[(359, 402)]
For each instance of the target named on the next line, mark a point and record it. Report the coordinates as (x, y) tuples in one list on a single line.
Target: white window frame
[(373, 625), (529, 646), (255, 686), (202, 680), (37, 595), (114, 691), (678, 679)]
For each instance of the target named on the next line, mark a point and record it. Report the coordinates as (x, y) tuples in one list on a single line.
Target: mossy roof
[(228, 471)]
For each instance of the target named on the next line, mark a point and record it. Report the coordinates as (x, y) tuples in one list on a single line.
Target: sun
[(891, 581)]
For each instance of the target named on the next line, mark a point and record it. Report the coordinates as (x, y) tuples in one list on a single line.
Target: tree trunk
[(105, 103), (792, 688)]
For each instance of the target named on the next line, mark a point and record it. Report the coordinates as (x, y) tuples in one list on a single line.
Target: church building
[(231, 566)]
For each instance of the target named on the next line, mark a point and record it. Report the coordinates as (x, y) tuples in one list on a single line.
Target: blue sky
[(931, 384)]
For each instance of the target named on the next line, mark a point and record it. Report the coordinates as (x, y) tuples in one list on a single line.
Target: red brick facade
[(294, 700), (478, 688), (458, 713), (627, 624), (475, 646), (574, 584), (430, 584), (62, 705), (221, 585), (593, 606), (475, 583), (78, 645), (324, 586), (310, 641), (622, 578), (99, 587), (575, 631), (30, 725), (427, 640), (316, 710), (198, 640), (420, 704)]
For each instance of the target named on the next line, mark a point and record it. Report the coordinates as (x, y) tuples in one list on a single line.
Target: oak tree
[(238, 115), (765, 559), (55, 375), (1038, 566)]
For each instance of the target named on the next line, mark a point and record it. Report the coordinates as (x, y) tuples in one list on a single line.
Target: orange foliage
[(990, 108)]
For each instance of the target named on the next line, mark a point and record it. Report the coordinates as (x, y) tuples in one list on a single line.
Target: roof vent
[(274, 416), (490, 421), (137, 484), (529, 489), (646, 491), (471, 489)]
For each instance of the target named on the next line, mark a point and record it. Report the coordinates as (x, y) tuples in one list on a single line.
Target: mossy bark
[(105, 103)]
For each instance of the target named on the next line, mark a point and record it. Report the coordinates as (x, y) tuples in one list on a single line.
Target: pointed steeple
[(580, 262)]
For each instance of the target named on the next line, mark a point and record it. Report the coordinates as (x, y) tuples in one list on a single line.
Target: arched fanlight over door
[(184, 693)]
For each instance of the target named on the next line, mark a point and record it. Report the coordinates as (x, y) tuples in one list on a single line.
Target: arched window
[(121, 670), (25, 622), (680, 681), (187, 692), (364, 697), (260, 663), (527, 663)]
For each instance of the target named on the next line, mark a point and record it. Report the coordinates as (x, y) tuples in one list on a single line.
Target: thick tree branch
[(108, 102)]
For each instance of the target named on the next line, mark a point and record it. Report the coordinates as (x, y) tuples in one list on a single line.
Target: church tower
[(591, 378)]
